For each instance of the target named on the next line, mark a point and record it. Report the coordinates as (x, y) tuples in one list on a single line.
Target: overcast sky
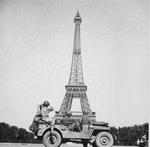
[(36, 46)]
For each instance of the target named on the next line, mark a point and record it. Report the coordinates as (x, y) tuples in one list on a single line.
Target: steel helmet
[(46, 103)]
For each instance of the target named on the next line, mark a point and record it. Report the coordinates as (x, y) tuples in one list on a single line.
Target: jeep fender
[(42, 131), (98, 129)]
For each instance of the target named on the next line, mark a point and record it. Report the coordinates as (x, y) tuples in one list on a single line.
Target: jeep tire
[(52, 139), (104, 139)]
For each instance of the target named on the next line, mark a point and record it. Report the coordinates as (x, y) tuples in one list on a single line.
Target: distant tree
[(130, 135), (13, 134), (5, 132), (114, 132), (22, 134), (146, 129)]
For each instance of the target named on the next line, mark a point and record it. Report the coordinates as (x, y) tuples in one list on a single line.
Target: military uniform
[(42, 115), (44, 112), (72, 124)]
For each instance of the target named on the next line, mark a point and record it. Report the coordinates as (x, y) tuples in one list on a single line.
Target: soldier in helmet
[(44, 109), (42, 114)]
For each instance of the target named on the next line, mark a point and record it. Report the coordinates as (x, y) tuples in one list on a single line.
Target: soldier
[(43, 110), (42, 114), (72, 124)]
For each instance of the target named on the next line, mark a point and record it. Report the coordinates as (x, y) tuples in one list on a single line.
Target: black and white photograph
[(74, 73)]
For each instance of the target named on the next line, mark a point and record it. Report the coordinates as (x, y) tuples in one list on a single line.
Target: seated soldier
[(72, 124)]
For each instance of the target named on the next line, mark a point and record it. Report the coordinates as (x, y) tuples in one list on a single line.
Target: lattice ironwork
[(76, 87)]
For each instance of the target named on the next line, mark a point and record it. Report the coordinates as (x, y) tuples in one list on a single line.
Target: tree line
[(130, 135), (122, 135), (14, 134)]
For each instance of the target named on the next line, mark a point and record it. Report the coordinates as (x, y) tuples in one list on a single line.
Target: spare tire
[(52, 139), (104, 139)]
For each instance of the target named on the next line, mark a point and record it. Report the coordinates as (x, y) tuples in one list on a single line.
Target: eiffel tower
[(76, 87)]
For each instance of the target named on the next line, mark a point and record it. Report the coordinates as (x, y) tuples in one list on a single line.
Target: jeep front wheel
[(104, 139), (52, 139)]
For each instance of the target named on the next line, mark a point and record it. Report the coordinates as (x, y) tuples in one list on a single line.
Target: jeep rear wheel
[(104, 139), (52, 139)]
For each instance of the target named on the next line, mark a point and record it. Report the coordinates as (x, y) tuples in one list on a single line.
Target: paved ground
[(41, 145)]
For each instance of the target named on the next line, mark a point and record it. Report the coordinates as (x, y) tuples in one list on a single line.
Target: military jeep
[(92, 132)]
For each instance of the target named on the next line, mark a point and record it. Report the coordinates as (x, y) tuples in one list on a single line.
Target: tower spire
[(77, 43)]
